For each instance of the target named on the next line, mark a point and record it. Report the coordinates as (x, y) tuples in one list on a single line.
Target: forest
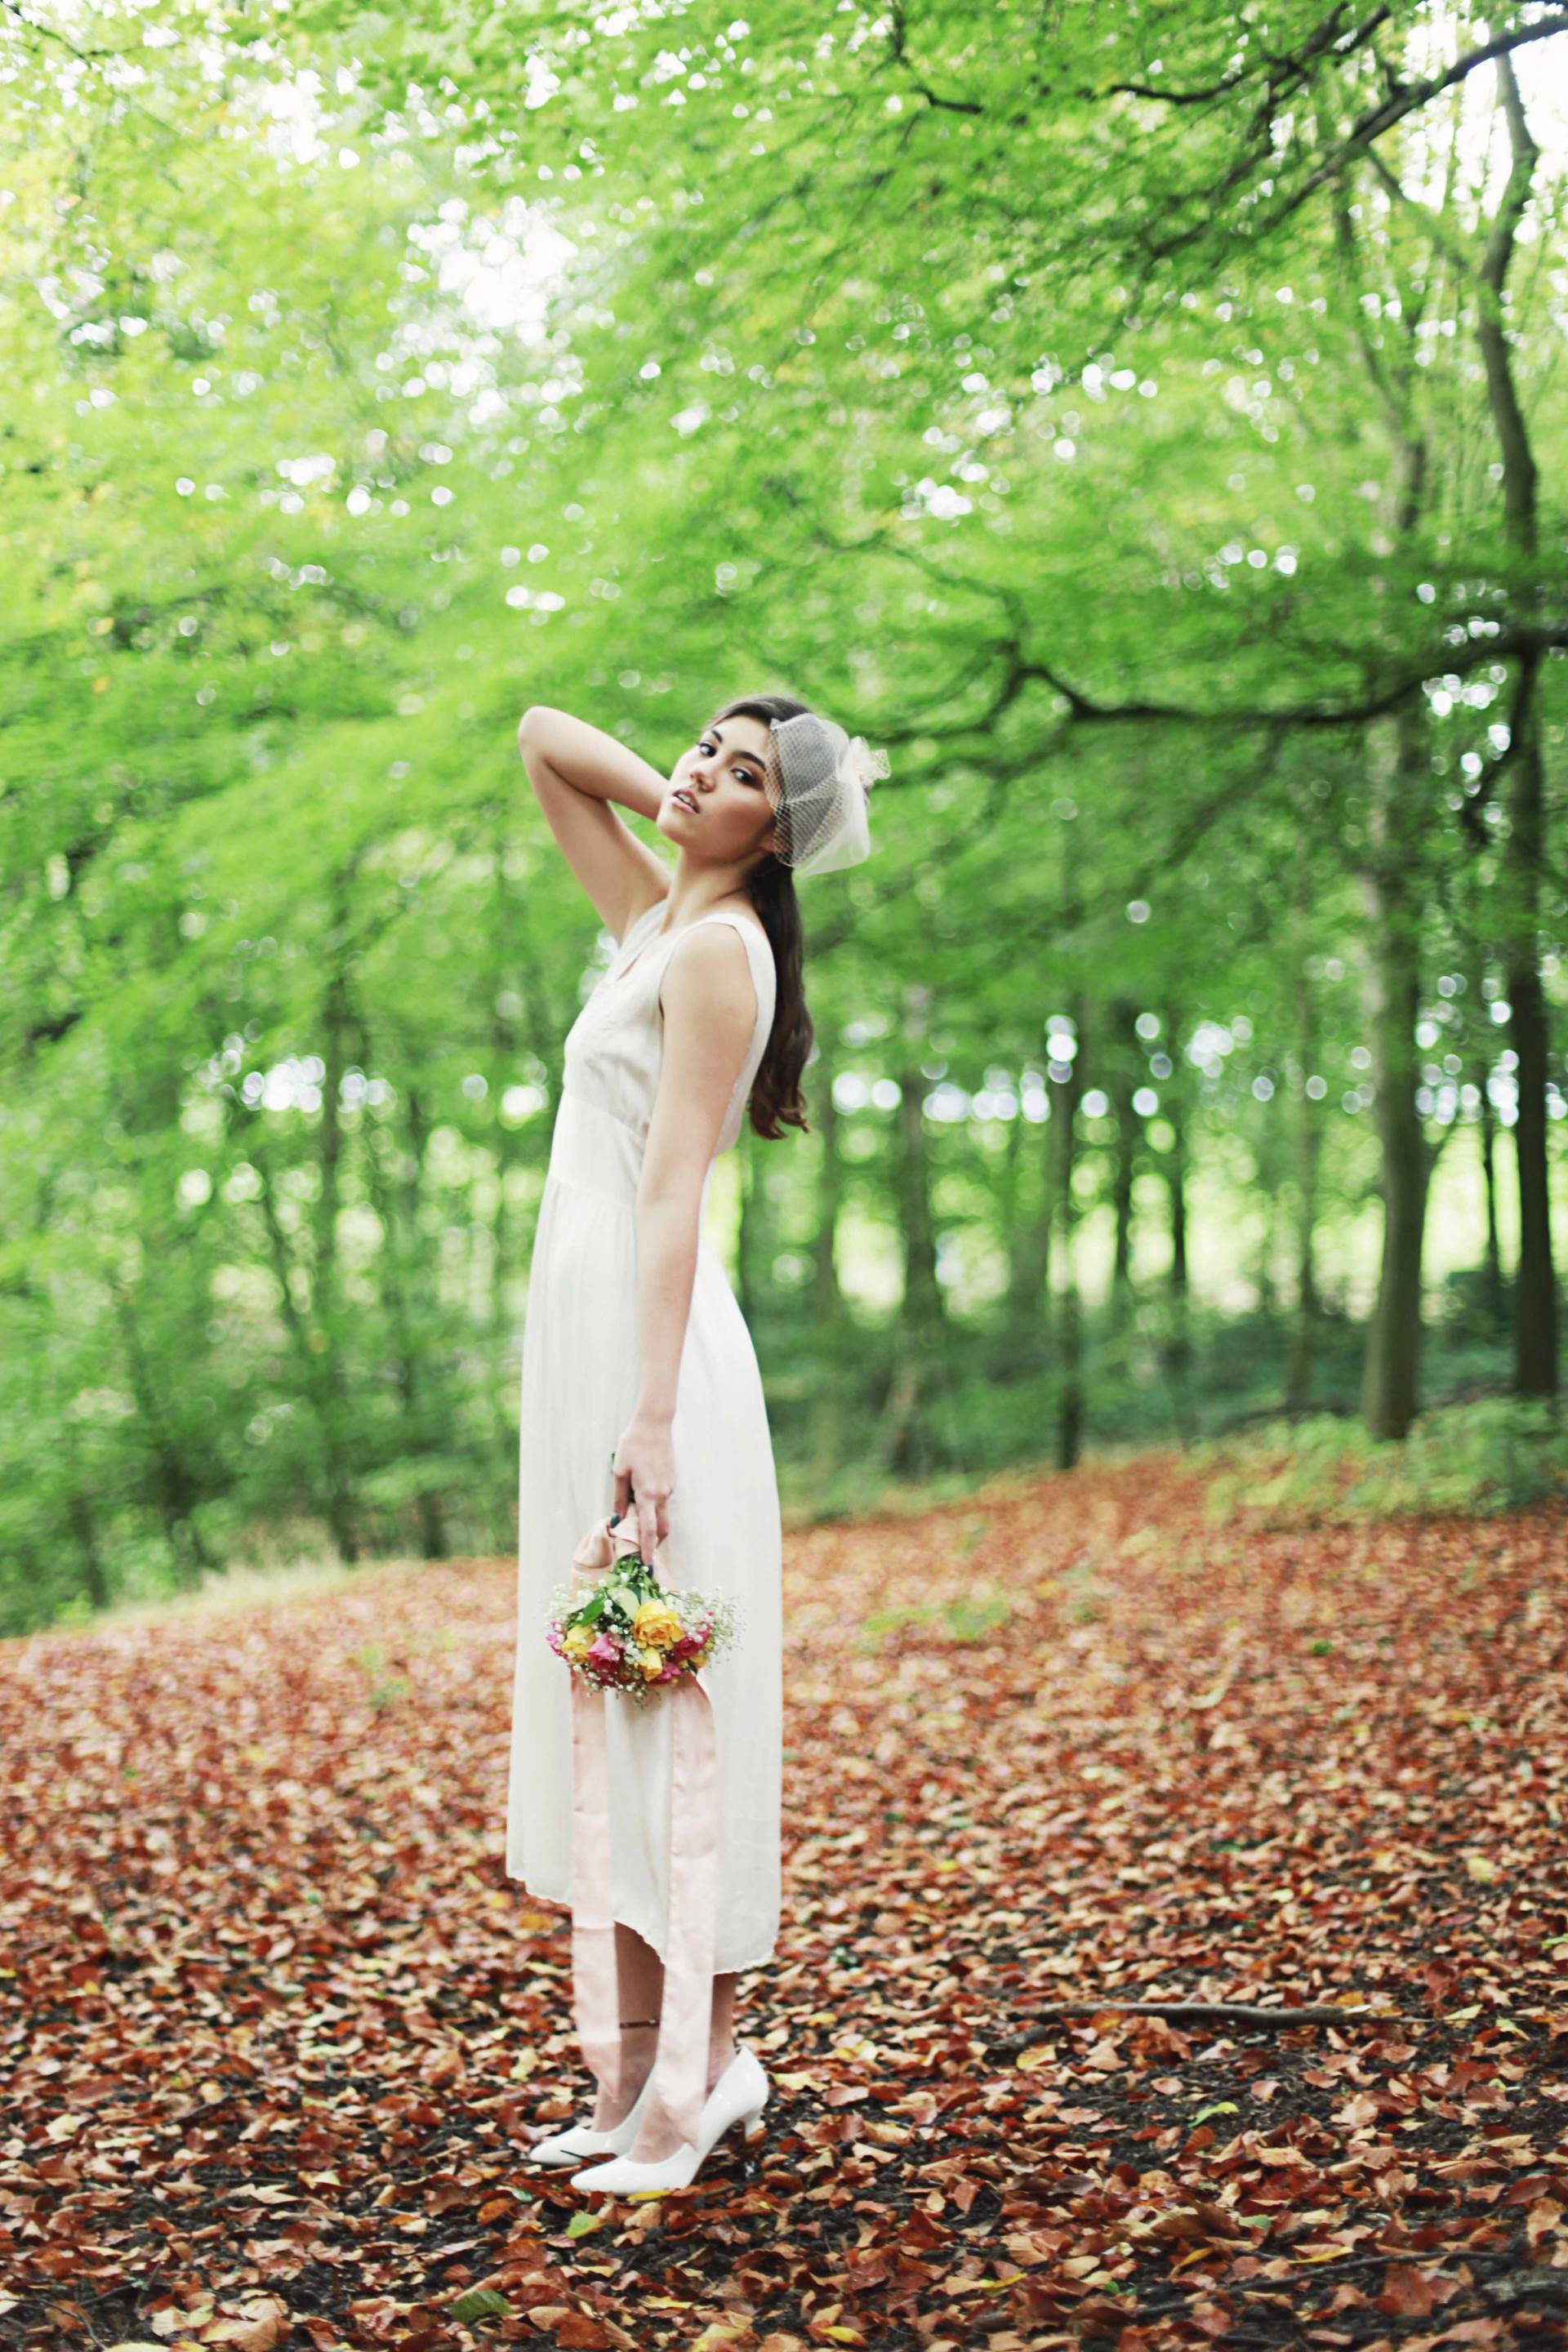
[(1147, 424)]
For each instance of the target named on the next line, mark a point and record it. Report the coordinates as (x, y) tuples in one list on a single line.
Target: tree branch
[(1404, 98), (898, 44), (1288, 72), (61, 40), (1507, 643)]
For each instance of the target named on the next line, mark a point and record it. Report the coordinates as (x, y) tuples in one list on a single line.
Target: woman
[(641, 1386)]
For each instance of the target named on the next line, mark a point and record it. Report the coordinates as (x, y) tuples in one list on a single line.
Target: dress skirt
[(580, 1379)]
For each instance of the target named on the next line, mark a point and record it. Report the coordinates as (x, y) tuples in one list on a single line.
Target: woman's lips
[(686, 800)]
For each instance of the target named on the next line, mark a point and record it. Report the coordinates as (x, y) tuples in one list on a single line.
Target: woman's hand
[(645, 1478)]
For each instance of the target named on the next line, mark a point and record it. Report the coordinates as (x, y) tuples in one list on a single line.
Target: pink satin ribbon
[(679, 2087)]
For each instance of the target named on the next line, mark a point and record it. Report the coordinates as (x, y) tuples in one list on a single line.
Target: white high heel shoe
[(580, 2140), (739, 2095)]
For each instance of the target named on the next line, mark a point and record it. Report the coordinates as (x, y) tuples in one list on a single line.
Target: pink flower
[(606, 1650)]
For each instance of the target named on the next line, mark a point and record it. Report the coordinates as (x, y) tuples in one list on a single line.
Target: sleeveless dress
[(580, 1378)]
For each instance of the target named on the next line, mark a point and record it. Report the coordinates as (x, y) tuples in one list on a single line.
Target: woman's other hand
[(644, 1479)]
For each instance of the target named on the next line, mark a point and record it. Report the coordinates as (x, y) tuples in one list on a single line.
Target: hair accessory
[(825, 780)]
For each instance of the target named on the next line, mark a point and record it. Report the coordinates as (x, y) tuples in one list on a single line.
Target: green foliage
[(971, 1617), (1496, 1454), (371, 377), (384, 1690)]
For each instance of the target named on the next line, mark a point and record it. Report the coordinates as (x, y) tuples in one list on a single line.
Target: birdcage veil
[(823, 784)]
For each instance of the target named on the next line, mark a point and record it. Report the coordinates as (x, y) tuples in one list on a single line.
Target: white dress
[(579, 1367)]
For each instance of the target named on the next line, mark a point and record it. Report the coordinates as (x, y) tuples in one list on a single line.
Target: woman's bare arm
[(709, 1016), (576, 771)]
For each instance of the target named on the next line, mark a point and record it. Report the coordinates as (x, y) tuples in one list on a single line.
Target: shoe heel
[(754, 2124)]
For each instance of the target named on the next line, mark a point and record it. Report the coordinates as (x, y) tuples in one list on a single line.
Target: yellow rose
[(656, 1622), (652, 1664), (579, 1641)]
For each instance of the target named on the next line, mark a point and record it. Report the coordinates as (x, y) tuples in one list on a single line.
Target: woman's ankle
[(639, 2047)]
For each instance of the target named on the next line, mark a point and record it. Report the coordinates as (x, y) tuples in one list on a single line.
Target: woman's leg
[(651, 2144), (722, 2037), (639, 1973)]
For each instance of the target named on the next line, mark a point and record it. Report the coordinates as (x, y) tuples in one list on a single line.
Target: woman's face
[(724, 776)]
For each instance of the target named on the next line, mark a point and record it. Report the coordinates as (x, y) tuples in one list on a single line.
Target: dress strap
[(728, 915), (757, 945)]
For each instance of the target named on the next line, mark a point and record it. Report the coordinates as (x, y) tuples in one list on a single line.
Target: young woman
[(641, 1386)]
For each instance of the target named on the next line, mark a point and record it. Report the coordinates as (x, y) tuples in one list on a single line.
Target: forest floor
[(276, 2026)]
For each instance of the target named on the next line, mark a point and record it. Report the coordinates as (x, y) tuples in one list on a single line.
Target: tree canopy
[(1149, 424)]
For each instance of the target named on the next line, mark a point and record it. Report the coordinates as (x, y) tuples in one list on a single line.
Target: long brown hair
[(776, 1102)]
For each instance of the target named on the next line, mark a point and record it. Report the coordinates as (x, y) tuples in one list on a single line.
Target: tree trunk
[(1176, 1192), (827, 1298), (329, 1156), (95, 1575), (508, 918), (1390, 872), (1535, 1318), (1391, 1370), (408, 1369), (923, 1311), (325, 1337), (922, 1325), (1177, 1345), (1265, 1191), (756, 1240), (1026, 1198), (337, 1501), (1479, 1063), (174, 1485), (1309, 1149), (1536, 1284), (1067, 1093), (1122, 1083)]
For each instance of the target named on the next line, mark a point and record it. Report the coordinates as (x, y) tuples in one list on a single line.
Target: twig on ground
[(1229, 2012)]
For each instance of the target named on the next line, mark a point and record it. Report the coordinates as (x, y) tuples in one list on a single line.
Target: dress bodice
[(615, 1047)]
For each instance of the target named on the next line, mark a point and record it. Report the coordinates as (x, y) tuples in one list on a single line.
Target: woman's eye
[(746, 774)]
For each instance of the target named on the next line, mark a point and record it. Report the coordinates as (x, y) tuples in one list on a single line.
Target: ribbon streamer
[(679, 2087)]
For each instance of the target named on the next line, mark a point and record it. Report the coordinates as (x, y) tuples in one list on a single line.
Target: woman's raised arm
[(577, 770)]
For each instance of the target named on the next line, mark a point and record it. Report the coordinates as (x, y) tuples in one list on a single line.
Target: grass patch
[(247, 1589), (1471, 1460), (969, 1617), (384, 1690)]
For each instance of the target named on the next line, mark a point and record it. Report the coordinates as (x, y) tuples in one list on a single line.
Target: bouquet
[(626, 1632)]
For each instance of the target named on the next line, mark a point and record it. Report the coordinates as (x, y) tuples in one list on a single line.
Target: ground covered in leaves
[(275, 2025)]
